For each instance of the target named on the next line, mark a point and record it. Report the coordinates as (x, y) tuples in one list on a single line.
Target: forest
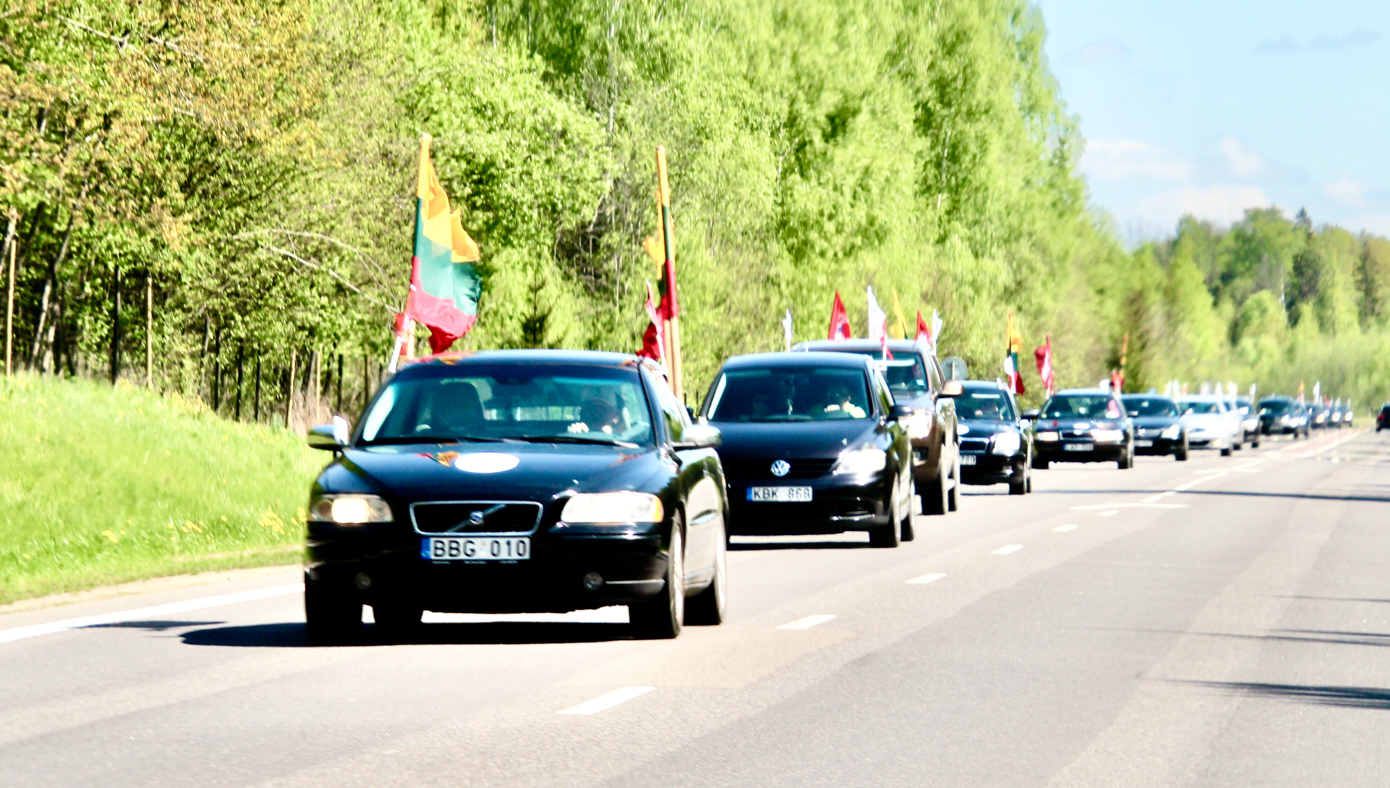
[(216, 197)]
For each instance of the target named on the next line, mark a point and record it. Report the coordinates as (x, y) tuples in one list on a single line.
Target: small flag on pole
[(839, 320), (935, 330), (787, 329), (900, 327), (652, 347), (878, 324), (923, 332), (1044, 359), (1014, 345)]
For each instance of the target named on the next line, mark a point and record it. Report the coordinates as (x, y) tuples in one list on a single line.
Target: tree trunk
[(240, 357), (289, 391), (338, 408), (9, 311), (257, 417), (366, 381), (217, 370), (116, 325), (149, 329)]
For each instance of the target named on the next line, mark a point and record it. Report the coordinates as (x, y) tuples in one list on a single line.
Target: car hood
[(1206, 418), (500, 471), (801, 439), (979, 428)]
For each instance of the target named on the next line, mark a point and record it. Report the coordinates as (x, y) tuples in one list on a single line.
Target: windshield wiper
[(574, 438), (429, 439)]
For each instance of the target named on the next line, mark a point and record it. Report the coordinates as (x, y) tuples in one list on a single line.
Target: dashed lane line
[(1061, 529), (1007, 549), (607, 701), (809, 621), (924, 579)]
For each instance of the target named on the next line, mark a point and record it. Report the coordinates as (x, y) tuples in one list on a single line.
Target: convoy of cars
[(551, 481)]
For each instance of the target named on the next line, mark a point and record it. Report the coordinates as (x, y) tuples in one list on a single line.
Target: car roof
[(1085, 392), (595, 357), (1203, 398), (1145, 396), (983, 385), (861, 346), (797, 359)]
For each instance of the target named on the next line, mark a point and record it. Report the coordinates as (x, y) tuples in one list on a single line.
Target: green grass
[(104, 485)]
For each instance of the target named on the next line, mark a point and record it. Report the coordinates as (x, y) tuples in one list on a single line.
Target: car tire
[(1039, 463), (934, 498), (1226, 452), (1255, 444), (332, 615), (888, 535), (906, 531), (661, 618), (1030, 482), (706, 609), (1021, 486), (1180, 453), (397, 621), (953, 494), (1126, 460)]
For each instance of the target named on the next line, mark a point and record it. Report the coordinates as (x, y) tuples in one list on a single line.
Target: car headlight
[(1046, 437), (1108, 436), (866, 460), (1005, 443), (354, 509), (613, 508), (919, 424), (1172, 433)]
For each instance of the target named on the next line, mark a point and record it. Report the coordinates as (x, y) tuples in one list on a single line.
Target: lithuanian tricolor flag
[(444, 285)]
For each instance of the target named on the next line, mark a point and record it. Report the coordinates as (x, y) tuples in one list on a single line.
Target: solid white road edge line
[(146, 613), (924, 579), (1061, 529), (1008, 548), (607, 700), (809, 621)]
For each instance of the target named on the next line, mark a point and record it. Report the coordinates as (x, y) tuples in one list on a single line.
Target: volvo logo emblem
[(781, 468), (476, 518)]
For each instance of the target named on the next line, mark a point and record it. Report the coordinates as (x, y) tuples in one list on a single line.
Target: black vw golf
[(517, 481), (812, 444)]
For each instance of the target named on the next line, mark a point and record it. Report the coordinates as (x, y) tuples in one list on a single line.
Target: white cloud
[(1379, 224), (1347, 192), (1218, 203), (1245, 162), (1122, 160)]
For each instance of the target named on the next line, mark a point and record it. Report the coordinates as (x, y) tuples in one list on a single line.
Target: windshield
[(1203, 407), (569, 403), (906, 373), (1081, 406), (1150, 406), (1274, 406), (984, 406), (790, 394)]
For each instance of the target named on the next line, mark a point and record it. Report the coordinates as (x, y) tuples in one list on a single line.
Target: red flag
[(839, 320), (1044, 359), (651, 338), (923, 333)]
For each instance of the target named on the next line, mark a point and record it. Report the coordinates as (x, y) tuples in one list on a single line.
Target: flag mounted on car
[(1044, 358), (1014, 345), (839, 320)]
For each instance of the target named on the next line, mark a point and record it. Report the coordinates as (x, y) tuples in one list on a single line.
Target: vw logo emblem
[(476, 518), (781, 468)]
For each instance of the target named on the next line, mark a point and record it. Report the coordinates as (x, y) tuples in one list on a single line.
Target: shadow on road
[(1348, 697), (155, 626), (495, 633), (747, 546)]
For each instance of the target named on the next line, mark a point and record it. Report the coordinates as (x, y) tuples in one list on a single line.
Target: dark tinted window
[(1202, 407), (985, 406), (672, 412), (1077, 406), (1150, 406), (790, 394), (906, 373)]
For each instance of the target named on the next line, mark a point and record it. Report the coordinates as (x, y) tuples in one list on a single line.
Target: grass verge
[(102, 485)]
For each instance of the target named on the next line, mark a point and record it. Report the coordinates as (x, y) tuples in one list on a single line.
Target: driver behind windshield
[(840, 401)]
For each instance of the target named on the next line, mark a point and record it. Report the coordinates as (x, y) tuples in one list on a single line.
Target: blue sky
[(1212, 107)]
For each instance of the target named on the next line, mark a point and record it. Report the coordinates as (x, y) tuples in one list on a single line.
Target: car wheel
[(1030, 481), (1126, 460), (397, 620), (1226, 452), (1019, 487), (1180, 454), (332, 615), (888, 535), (661, 618), (1255, 444), (707, 607), (1039, 463), (953, 495), (905, 529), (934, 497)]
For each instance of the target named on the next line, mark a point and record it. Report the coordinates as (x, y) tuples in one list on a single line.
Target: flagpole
[(667, 233)]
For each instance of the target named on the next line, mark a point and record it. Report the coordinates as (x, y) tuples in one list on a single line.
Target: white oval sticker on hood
[(486, 462)]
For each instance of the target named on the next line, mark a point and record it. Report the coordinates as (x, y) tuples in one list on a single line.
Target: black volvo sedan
[(994, 446), (1158, 426), (812, 444), (517, 481), (1083, 425)]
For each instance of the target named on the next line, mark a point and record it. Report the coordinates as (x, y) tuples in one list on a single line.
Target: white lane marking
[(924, 579), (809, 621), (1109, 513), (147, 613), (1154, 498), (1092, 507), (1008, 548), (1061, 529), (607, 700)]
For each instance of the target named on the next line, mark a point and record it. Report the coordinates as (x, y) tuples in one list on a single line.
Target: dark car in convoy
[(1158, 426), (1383, 418), (914, 375), (1249, 421), (1319, 417), (812, 444), (1083, 425), (517, 481), (995, 447), (1282, 416)]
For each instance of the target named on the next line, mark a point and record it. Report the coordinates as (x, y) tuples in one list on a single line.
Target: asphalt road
[(1215, 622)]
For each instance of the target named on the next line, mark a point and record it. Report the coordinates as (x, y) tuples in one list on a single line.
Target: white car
[(1212, 423)]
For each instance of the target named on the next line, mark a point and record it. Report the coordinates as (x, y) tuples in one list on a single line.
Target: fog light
[(593, 581), (362, 581)]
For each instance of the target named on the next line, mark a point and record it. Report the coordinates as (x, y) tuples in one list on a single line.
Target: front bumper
[(383, 563), (838, 504), (1157, 446), (1057, 451), (990, 468)]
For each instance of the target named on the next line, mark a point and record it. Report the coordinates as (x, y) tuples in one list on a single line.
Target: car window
[(985, 406), (1198, 406), (672, 412), (501, 401), (905, 373), (882, 392), (1075, 406), (1150, 406), (801, 393)]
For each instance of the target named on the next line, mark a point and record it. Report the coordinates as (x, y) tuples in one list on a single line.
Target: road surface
[(1222, 621)]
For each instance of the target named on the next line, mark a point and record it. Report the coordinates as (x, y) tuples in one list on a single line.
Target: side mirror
[(952, 388), (900, 411), (330, 437), (701, 436), (1032, 414)]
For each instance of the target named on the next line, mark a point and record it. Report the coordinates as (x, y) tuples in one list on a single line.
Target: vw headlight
[(1005, 443), (1046, 437), (1172, 432), (867, 460), (919, 424), (613, 508), (349, 509), (1108, 436)]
